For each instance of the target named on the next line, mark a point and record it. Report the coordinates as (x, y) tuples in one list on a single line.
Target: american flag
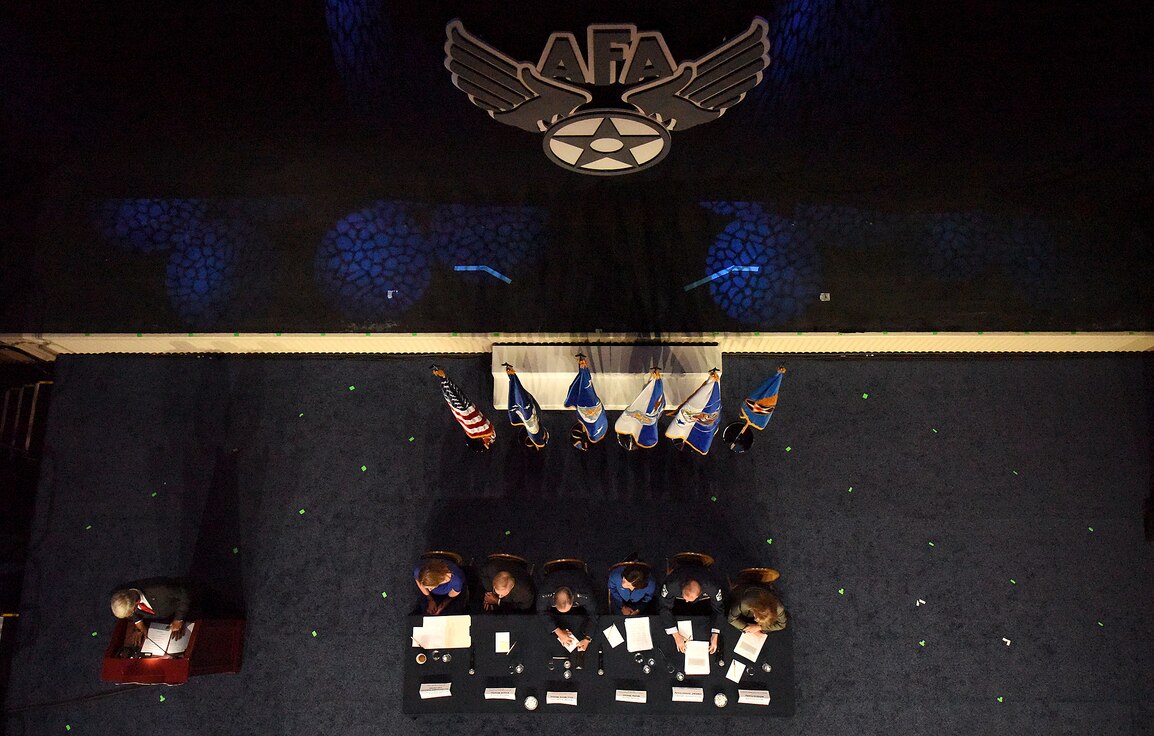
[(470, 418)]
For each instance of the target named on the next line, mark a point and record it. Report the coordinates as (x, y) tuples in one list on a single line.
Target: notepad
[(500, 693), (631, 696), (637, 634), (502, 642), (697, 658), (436, 690), (444, 632), (685, 628), (159, 641), (736, 670), (753, 697), (749, 645), (613, 636), (688, 695), (560, 698)]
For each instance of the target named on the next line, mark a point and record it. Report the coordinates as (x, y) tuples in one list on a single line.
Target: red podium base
[(215, 645)]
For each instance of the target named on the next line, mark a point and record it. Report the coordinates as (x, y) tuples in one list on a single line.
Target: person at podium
[(153, 600)]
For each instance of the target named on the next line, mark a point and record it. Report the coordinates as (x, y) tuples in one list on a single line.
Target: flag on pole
[(639, 419), (758, 408), (470, 418), (524, 411), (583, 397), (695, 421)]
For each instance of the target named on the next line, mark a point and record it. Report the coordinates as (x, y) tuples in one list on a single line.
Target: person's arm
[(614, 585), (666, 606), (716, 608), (735, 615)]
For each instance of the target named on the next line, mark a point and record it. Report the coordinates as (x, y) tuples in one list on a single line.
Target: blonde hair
[(764, 609), (124, 603), (433, 573)]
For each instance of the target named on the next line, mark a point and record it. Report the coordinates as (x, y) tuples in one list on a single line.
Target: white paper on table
[(697, 658), (753, 697), (446, 632), (418, 636), (158, 640), (436, 690), (573, 642), (631, 696), (749, 645), (685, 628), (500, 693), (502, 642), (560, 698), (736, 670), (688, 695), (637, 634), (613, 636)]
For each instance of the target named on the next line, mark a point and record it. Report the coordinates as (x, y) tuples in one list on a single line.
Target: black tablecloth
[(536, 649)]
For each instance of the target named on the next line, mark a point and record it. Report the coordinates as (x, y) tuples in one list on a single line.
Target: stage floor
[(923, 512)]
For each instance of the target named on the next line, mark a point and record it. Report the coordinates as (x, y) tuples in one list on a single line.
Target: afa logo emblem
[(549, 97)]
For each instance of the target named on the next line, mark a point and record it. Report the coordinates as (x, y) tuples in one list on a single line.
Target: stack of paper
[(685, 628), (749, 645), (637, 634), (443, 632), (159, 641), (697, 658)]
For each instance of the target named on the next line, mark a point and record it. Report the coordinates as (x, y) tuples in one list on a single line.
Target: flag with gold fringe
[(695, 421), (477, 427)]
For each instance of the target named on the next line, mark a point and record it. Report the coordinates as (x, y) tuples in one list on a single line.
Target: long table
[(536, 666)]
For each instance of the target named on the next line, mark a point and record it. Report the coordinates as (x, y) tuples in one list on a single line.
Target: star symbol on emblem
[(607, 142)]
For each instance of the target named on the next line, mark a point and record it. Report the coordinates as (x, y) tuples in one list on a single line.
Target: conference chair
[(516, 559), (565, 563), (687, 558), (755, 576)]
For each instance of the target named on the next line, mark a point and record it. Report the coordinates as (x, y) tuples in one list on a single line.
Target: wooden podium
[(215, 645)]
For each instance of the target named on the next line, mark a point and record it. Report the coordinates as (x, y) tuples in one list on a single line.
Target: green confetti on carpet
[(1090, 528), (364, 468), (922, 643), (314, 633), (94, 633), (352, 388), (300, 415), (301, 512), (841, 591), (162, 698), (999, 698), (713, 498), (769, 541), (508, 532), (1101, 624), (67, 727), (931, 544), (1014, 472), (154, 494), (850, 490), (412, 439), (384, 594), (1013, 582), (236, 550), (789, 449), (87, 527), (865, 396), (934, 431)]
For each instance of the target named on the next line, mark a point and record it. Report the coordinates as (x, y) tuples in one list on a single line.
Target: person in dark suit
[(567, 603), (507, 586), (161, 600), (689, 590)]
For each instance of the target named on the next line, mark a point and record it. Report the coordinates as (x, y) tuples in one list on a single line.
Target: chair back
[(565, 563), (444, 554), (517, 559), (687, 558), (755, 575)]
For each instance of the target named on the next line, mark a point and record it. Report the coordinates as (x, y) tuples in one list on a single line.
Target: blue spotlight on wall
[(786, 280), (958, 245), (360, 33), (149, 225), (374, 263), (506, 239), (218, 274)]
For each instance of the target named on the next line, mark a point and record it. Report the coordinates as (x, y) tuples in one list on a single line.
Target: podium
[(214, 645)]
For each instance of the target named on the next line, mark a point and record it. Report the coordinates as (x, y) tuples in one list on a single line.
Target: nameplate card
[(500, 693), (560, 698), (631, 696), (688, 695), (436, 690), (753, 697)]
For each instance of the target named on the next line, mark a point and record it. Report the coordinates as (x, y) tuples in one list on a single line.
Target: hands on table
[(680, 641), (564, 636), (629, 611)]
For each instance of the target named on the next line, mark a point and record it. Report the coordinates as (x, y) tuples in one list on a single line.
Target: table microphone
[(472, 661), (600, 661)]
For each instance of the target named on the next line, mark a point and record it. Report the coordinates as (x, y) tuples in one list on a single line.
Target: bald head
[(691, 590), (503, 583)]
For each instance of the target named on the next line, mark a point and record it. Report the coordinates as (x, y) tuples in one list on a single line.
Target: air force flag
[(695, 421), (583, 398), (758, 409), (639, 419), (525, 412)]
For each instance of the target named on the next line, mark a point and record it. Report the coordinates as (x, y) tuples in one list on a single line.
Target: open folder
[(159, 642)]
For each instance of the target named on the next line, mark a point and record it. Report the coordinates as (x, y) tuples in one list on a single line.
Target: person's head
[(503, 583), (563, 600), (434, 572), (634, 577), (124, 603), (690, 590), (763, 608)]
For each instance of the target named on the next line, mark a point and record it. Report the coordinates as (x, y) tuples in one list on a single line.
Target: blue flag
[(759, 407), (524, 411), (696, 420), (583, 397)]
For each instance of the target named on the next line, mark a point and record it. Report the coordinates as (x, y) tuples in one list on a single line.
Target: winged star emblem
[(608, 141)]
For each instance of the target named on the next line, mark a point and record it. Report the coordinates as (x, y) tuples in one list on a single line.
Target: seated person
[(688, 590), (507, 587), (754, 608), (631, 588), (153, 600), (441, 582), (566, 600)]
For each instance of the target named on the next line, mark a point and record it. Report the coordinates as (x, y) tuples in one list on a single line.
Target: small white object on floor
[(921, 602), (1006, 640)]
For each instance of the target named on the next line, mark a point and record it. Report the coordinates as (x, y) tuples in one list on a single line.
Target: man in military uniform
[(691, 590), (567, 603)]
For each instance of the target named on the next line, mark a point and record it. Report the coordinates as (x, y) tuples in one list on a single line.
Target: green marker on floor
[(850, 490), (412, 439), (922, 643), (713, 498), (865, 396), (841, 591), (301, 512), (94, 633), (236, 550), (999, 698), (154, 494), (789, 449), (162, 698), (364, 468), (314, 633), (87, 527), (931, 544), (352, 388), (384, 594), (1013, 582), (769, 541)]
